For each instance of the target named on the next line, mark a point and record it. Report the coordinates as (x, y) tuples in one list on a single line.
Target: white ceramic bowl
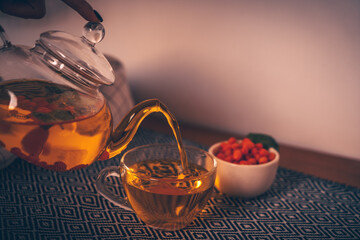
[(245, 181)]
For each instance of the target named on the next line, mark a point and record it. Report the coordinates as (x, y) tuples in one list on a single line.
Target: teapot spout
[(127, 128)]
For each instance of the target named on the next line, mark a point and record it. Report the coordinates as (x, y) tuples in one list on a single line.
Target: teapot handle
[(4, 38)]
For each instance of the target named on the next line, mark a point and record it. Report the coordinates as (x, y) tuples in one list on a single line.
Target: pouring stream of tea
[(127, 128)]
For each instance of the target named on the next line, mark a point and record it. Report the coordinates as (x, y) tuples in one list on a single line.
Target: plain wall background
[(285, 68)]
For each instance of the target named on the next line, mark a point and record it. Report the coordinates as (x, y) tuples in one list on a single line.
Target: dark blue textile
[(39, 204)]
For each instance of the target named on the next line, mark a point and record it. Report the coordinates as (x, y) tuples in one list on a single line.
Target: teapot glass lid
[(79, 53)]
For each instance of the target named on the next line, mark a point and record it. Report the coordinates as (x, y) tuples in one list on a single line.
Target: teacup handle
[(101, 184)]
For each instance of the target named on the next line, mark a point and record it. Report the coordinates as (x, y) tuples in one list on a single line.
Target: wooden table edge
[(326, 166)]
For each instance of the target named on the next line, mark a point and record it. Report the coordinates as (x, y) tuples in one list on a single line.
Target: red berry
[(271, 156), (232, 140), (248, 143), (228, 152), (263, 152), (237, 154), (254, 151), (59, 166), (225, 146), (34, 141), (235, 145), (220, 155), (228, 158), (263, 160), (244, 150), (252, 161)]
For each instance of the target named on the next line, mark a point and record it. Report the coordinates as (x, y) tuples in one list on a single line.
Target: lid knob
[(93, 32)]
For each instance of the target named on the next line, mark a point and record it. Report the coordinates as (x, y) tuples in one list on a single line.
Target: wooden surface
[(334, 168)]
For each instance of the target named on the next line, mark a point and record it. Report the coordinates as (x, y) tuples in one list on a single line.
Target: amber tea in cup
[(158, 189)]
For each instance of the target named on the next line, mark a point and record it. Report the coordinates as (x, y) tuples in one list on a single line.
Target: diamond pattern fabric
[(40, 204)]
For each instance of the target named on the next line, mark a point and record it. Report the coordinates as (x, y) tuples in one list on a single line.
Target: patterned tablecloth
[(39, 204)]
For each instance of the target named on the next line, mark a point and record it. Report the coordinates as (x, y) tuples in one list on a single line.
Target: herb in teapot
[(51, 125)]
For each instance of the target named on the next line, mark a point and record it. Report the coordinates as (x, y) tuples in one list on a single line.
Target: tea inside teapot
[(52, 126)]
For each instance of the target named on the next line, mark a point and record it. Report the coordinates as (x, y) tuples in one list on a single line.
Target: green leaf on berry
[(266, 140)]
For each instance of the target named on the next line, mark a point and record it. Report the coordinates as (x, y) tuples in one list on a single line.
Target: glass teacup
[(158, 189)]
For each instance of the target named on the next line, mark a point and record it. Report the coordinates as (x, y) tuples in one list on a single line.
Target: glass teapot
[(52, 113)]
